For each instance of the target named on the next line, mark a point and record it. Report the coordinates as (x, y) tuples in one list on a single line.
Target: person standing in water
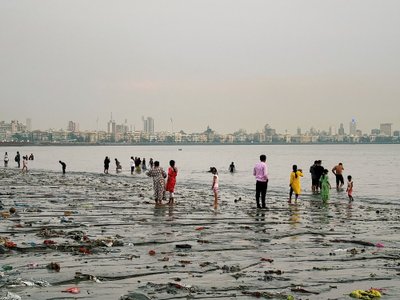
[(63, 166), (338, 171), (294, 184), (25, 163), (159, 176), (325, 186), (349, 189), (215, 186), (151, 163), (18, 159), (144, 166), (261, 173), (232, 167), (171, 180), (132, 163), (6, 159), (106, 165), (314, 179), (118, 167)]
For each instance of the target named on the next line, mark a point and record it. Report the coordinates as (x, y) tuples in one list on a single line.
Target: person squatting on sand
[(215, 185), (295, 185), (171, 180), (261, 173), (159, 176)]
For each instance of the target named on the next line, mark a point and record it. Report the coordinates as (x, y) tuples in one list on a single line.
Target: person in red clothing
[(171, 181)]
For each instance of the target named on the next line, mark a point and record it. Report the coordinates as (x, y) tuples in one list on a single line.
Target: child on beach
[(294, 184), (325, 186), (215, 186), (171, 180), (349, 189), (25, 164)]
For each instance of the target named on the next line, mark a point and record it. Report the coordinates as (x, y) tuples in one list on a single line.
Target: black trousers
[(261, 190)]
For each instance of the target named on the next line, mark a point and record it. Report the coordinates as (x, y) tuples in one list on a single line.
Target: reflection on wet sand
[(111, 242)]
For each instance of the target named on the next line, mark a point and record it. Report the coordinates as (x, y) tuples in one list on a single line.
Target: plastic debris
[(72, 290), (380, 245), (10, 244), (49, 242), (366, 295), (152, 252)]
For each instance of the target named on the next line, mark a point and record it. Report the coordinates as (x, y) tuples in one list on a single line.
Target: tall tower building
[(111, 128), (148, 125), (29, 124), (341, 129), (353, 127)]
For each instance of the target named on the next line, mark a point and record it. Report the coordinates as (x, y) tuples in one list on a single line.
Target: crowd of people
[(165, 182)]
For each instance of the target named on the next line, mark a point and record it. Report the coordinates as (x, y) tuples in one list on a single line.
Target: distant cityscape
[(22, 133)]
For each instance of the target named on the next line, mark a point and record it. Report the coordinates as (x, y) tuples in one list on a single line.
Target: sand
[(111, 242)]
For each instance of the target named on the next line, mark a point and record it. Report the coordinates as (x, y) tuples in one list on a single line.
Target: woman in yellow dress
[(295, 185)]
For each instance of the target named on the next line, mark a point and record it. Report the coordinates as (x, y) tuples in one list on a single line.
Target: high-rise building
[(72, 126), (29, 124), (341, 129), (111, 126), (353, 127), (148, 125), (386, 129)]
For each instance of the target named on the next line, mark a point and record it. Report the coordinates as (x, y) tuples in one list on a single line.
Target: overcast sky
[(229, 64)]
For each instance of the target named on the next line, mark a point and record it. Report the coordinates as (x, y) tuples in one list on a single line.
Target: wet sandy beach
[(110, 242)]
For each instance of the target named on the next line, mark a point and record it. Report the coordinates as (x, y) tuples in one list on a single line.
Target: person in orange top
[(338, 171)]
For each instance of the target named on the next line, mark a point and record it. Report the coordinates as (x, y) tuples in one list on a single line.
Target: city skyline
[(113, 125), (225, 64)]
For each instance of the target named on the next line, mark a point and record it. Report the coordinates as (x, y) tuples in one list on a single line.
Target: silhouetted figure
[(18, 159), (232, 167), (118, 166), (63, 166), (31, 157), (6, 160), (151, 163), (106, 165)]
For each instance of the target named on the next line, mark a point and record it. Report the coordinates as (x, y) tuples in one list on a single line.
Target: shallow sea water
[(309, 250)]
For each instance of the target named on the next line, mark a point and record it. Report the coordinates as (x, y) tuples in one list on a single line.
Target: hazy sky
[(228, 64)]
